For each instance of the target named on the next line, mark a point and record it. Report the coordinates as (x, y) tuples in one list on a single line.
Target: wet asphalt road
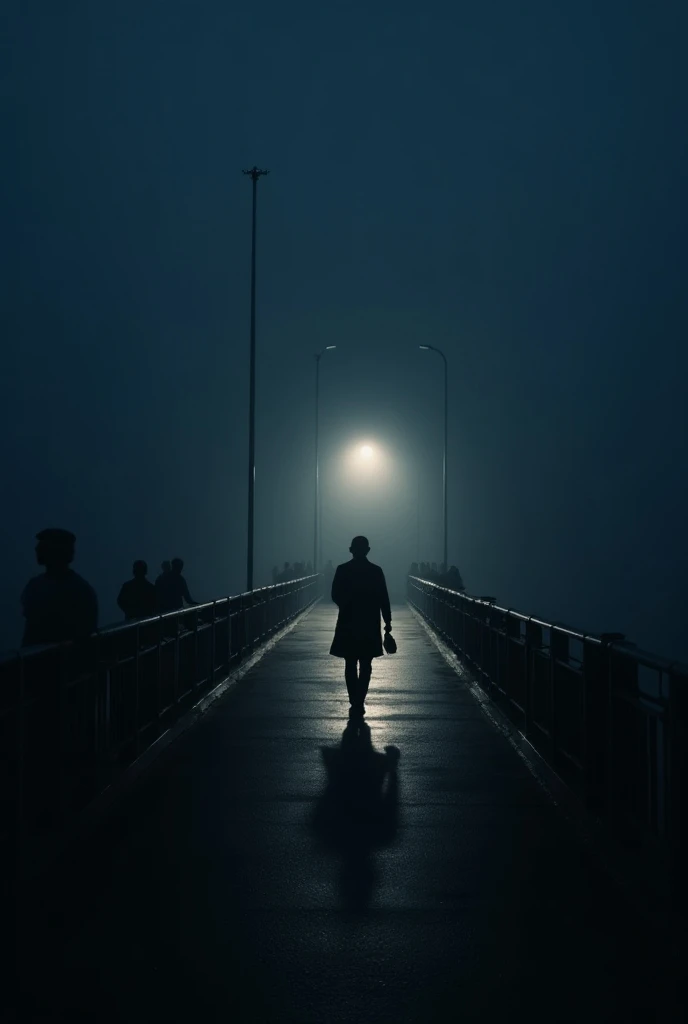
[(276, 865)]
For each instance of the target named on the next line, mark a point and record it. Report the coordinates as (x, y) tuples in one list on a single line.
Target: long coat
[(360, 591)]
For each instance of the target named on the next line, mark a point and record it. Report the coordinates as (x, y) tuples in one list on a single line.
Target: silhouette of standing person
[(59, 605), (171, 589), (137, 596), (359, 590), (165, 568)]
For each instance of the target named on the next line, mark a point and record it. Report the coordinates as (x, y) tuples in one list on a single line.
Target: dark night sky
[(505, 181)]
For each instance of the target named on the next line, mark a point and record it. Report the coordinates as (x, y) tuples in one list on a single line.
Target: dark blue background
[(506, 181)]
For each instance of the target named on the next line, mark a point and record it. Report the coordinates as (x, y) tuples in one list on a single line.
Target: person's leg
[(366, 667), (351, 676)]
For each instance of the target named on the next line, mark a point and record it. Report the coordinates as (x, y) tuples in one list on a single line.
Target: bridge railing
[(611, 721), (73, 717)]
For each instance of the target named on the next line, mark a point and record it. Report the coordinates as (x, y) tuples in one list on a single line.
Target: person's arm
[(187, 596), (120, 602), (385, 607), (337, 587)]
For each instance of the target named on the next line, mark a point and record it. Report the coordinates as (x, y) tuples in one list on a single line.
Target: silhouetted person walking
[(59, 605), (137, 596), (171, 589), (165, 567), (360, 591)]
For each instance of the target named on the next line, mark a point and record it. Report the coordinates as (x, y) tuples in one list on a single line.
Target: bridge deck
[(233, 885)]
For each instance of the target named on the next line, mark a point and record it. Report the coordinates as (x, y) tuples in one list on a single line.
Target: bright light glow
[(426, 348), (328, 348), (366, 475), (365, 460)]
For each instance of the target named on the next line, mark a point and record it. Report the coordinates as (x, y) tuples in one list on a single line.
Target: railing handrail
[(647, 658), (119, 627), (74, 716)]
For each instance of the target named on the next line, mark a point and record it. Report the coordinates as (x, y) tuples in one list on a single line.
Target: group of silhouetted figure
[(292, 571), (451, 578), (59, 605), (297, 570), (139, 598)]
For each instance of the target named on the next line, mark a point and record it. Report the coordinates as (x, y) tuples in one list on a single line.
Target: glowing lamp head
[(366, 451)]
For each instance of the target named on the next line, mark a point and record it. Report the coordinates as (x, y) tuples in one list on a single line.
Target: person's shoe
[(361, 709)]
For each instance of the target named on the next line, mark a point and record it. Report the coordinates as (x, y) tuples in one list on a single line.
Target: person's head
[(177, 565), (140, 569), (359, 547), (55, 548), (166, 566)]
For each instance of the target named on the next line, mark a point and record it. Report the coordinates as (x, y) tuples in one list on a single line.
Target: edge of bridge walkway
[(277, 864), (645, 891), (92, 815)]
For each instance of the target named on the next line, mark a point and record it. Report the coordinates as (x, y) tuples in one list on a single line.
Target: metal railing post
[(677, 789), (596, 711), (137, 695)]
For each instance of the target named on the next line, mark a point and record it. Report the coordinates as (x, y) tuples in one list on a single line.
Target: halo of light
[(366, 451)]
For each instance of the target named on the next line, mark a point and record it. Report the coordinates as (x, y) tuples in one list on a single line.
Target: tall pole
[(444, 467), (317, 529), (254, 175), (418, 519), (317, 463), (431, 348)]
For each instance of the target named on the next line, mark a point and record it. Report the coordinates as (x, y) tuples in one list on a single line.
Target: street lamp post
[(316, 517), (431, 348), (254, 175)]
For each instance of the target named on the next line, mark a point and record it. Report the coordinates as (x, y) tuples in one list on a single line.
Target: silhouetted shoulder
[(70, 584), (81, 586), (33, 587)]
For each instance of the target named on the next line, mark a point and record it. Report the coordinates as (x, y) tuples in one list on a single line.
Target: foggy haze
[(504, 183)]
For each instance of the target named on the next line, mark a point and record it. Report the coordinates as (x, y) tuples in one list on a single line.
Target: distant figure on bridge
[(165, 568), (453, 579), (137, 597), (359, 590), (328, 573), (59, 605), (171, 589)]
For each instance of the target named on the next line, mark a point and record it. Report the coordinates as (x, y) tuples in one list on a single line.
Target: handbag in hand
[(389, 644)]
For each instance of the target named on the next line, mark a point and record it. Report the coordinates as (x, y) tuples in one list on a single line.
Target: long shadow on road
[(357, 812)]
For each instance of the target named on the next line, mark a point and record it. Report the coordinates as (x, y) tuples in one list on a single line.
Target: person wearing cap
[(359, 589), (137, 596), (58, 605)]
